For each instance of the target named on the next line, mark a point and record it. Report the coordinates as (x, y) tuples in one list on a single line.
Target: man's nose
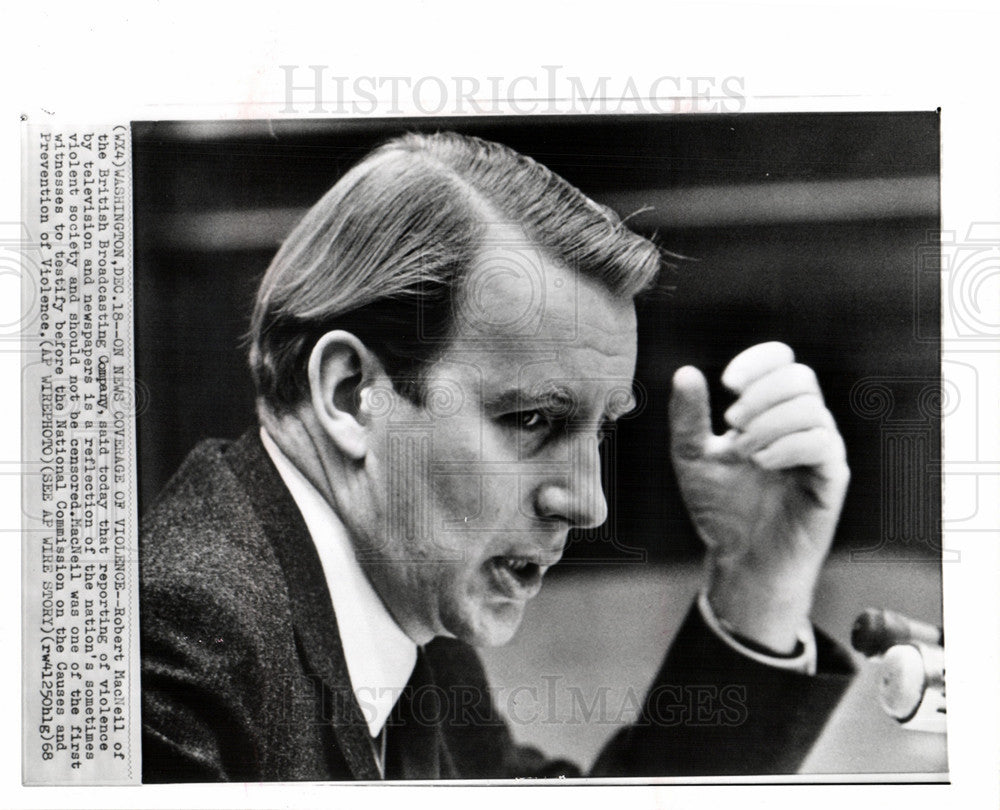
[(576, 493)]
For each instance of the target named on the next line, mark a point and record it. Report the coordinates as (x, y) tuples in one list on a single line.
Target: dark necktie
[(413, 743)]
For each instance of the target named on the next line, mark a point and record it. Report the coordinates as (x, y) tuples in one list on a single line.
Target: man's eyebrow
[(619, 402), (553, 397)]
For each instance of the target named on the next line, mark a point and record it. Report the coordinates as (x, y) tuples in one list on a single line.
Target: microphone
[(912, 686), (909, 656), (875, 631)]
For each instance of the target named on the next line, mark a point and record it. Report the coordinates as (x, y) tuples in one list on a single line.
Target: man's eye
[(528, 420), (532, 421)]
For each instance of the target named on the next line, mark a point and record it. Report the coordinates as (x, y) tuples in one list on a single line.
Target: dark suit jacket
[(244, 678)]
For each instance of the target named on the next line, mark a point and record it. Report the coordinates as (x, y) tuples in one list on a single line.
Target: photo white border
[(191, 60)]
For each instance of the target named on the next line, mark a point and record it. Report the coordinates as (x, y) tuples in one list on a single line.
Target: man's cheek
[(460, 498)]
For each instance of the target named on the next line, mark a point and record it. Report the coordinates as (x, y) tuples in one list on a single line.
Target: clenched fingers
[(806, 448), (779, 385), (804, 412), (756, 362)]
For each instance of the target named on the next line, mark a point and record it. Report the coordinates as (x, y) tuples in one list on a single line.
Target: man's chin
[(491, 625)]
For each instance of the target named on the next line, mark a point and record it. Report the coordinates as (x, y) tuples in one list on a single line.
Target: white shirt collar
[(380, 656)]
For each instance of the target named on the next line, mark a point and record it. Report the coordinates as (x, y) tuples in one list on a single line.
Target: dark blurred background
[(811, 229)]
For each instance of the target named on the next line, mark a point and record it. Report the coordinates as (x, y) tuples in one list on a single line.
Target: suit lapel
[(312, 609)]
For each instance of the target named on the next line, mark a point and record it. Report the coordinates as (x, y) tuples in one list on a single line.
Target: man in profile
[(437, 349)]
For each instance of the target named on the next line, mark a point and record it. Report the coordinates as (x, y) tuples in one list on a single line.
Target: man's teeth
[(516, 563)]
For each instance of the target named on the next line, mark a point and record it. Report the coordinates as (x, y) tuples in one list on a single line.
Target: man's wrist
[(765, 609), (802, 659)]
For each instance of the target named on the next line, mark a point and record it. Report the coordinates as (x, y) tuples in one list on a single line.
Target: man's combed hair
[(384, 252)]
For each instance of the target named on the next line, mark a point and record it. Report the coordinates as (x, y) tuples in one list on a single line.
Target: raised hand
[(765, 497)]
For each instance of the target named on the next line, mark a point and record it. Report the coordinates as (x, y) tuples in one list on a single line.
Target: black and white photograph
[(443, 405), (489, 449)]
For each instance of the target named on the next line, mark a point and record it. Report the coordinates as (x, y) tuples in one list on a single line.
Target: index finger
[(755, 362)]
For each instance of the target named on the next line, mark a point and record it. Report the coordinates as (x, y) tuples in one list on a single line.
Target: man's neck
[(379, 655), (295, 433), (342, 484)]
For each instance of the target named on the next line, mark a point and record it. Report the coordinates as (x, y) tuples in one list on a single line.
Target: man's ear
[(340, 366)]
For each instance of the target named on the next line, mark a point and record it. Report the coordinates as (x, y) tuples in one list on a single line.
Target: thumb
[(690, 415)]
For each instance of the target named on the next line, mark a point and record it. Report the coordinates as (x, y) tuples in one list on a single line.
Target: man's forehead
[(515, 289), (533, 332)]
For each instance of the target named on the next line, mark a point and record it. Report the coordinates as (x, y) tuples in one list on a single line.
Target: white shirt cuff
[(805, 662)]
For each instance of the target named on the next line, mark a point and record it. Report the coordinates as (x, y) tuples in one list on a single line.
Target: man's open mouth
[(515, 577)]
